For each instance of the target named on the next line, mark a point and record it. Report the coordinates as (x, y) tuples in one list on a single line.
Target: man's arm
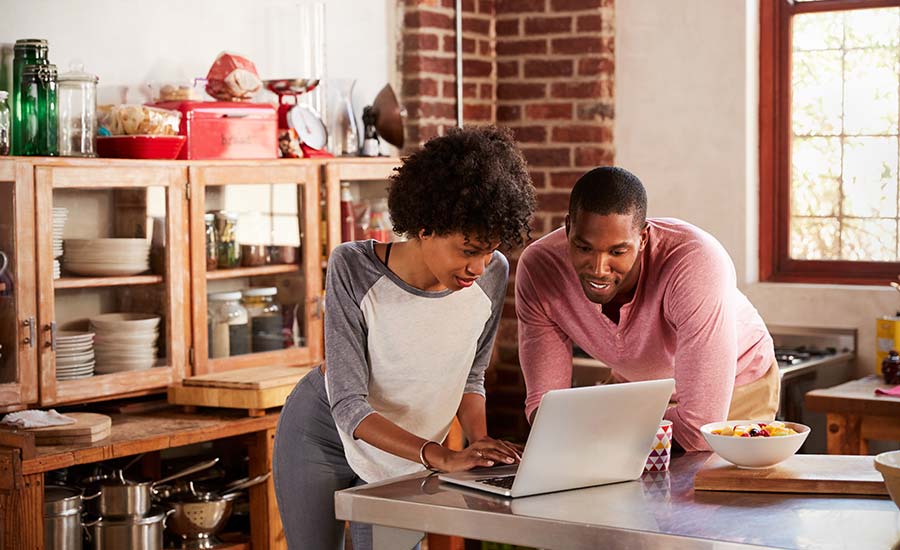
[(700, 304), (545, 351)]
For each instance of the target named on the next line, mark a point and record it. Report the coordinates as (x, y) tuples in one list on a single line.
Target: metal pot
[(133, 533), (62, 517), (121, 498)]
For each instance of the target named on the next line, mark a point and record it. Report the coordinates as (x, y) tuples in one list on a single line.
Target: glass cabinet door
[(355, 201), (18, 316), (112, 278), (257, 284)]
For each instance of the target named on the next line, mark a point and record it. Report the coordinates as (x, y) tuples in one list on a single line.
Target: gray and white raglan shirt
[(402, 352)]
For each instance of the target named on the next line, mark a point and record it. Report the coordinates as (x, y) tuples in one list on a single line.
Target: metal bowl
[(199, 517)]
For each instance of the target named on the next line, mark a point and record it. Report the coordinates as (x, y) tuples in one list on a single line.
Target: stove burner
[(795, 356)]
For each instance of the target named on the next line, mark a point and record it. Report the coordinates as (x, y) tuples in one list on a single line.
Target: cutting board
[(823, 474), (88, 428), (254, 389), (256, 378)]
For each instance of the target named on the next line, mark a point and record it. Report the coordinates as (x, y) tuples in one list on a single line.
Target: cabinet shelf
[(238, 272), (97, 282)]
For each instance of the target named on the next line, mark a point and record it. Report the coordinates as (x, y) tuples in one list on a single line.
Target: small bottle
[(348, 223), (4, 124), (890, 368)]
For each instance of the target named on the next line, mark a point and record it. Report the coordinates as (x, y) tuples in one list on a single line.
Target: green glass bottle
[(38, 126), (26, 52)]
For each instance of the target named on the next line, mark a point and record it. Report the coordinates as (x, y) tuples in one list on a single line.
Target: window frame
[(775, 263)]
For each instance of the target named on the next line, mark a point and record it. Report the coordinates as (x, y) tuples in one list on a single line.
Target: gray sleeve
[(346, 360), (493, 283)]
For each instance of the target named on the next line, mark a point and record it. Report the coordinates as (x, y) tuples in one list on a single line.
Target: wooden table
[(856, 414), (22, 466)]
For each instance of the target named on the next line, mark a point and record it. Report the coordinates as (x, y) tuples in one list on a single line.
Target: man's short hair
[(609, 190)]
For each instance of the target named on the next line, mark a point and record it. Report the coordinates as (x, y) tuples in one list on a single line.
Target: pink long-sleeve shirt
[(687, 321)]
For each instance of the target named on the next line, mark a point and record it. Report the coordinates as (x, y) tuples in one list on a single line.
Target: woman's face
[(455, 260)]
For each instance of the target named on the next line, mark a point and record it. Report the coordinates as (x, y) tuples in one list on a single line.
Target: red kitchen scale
[(302, 120)]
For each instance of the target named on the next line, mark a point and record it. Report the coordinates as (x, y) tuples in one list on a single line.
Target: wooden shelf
[(97, 282), (237, 272)]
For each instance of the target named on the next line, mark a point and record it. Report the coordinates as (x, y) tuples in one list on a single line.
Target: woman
[(409, 328)]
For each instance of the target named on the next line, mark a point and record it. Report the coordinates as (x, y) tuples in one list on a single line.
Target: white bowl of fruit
[(754, 443)]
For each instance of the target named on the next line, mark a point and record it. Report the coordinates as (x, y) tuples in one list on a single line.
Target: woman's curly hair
[(472, 181)]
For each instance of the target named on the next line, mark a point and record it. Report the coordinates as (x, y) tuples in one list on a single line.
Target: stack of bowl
[(74, 355), (125, 341), (107, 257), (59, 223)]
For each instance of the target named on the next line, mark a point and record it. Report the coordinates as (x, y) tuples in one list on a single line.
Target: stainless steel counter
[(659, 512)]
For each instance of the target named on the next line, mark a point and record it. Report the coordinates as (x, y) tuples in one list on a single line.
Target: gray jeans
[(309, 466)]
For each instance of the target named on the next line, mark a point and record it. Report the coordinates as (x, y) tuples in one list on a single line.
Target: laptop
[(581, 437)]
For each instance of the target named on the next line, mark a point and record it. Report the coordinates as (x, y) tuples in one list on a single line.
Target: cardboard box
[(226, 130)]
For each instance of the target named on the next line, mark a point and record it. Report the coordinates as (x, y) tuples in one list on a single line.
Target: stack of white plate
[(107, 257), (74, 355), (125, 341), (59, 223)]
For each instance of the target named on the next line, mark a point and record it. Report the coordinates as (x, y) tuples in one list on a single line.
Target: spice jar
[(38, 126), (4, 125), (26, 52), (890, 368), (212, 242), (77, 114), (265, 318), (227, 325), (229, 251)]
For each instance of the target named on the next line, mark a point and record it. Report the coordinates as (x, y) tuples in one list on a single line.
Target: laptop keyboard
[(505, 482)]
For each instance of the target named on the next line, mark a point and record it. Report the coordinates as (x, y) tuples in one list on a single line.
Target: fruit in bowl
[(889, 465), (756, 450)]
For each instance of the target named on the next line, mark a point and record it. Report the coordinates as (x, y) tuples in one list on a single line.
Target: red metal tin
[(226, 130)]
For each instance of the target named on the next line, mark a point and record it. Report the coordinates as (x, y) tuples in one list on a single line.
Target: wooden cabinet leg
[(266, 532), (22, 517), (845, 435)]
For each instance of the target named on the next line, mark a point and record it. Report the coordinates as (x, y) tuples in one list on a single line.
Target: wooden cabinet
[(275, 202)]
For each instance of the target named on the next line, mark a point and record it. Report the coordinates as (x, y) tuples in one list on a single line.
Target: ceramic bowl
[(754, 452), (125, 322), (889, 465)]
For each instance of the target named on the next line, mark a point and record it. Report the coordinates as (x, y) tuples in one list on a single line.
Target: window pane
[(816, 98), (816, 171), (872, 240), (866, 28), (870, 177), (815, 239), (818, 31), (870, 88)]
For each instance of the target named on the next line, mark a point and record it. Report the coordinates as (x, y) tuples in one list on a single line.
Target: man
[(651, 298)]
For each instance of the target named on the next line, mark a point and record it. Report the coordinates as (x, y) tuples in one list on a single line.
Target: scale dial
[(308, 125)]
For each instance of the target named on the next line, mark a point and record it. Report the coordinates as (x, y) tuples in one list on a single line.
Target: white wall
[(131, 42), (686, 124)]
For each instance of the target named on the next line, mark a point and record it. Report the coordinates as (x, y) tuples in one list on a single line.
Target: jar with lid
[(38, 125), (265, 318), (890, 368), (212, 243), (77, 113), (26, 52), (4, 124), (228, 327), (229, 251)]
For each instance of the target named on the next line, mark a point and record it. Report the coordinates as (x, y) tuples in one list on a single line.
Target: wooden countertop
[(134, 433), (855, 397)]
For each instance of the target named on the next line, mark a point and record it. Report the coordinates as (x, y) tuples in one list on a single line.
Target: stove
[(811, 358)]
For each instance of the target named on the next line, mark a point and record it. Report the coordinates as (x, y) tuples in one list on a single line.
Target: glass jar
[(265, 318), (26, 52), (212, 242), (228, 327), (4, 125), (890, 368), (228, 249), (78, 114), (380, 227), (38, 126)]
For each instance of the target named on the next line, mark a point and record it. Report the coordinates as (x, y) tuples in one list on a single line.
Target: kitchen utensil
[(754, 452), (140, 147), (120, 497), (389, 116), (131, 532), (78, 113), (342, 127), (88, 428), (825, 474), (62, 517)]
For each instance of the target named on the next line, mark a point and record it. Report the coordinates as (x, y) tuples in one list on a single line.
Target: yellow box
[(887, 338)]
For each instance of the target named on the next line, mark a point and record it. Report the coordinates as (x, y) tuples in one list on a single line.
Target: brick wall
[(541, 67)]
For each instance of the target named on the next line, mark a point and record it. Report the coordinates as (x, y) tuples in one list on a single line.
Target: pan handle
[(246, 483), (187, 471)]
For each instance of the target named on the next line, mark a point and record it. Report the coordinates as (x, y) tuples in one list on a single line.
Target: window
[(829, 147)]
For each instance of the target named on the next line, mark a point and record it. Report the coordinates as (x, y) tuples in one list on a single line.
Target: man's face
[(605, 252)]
